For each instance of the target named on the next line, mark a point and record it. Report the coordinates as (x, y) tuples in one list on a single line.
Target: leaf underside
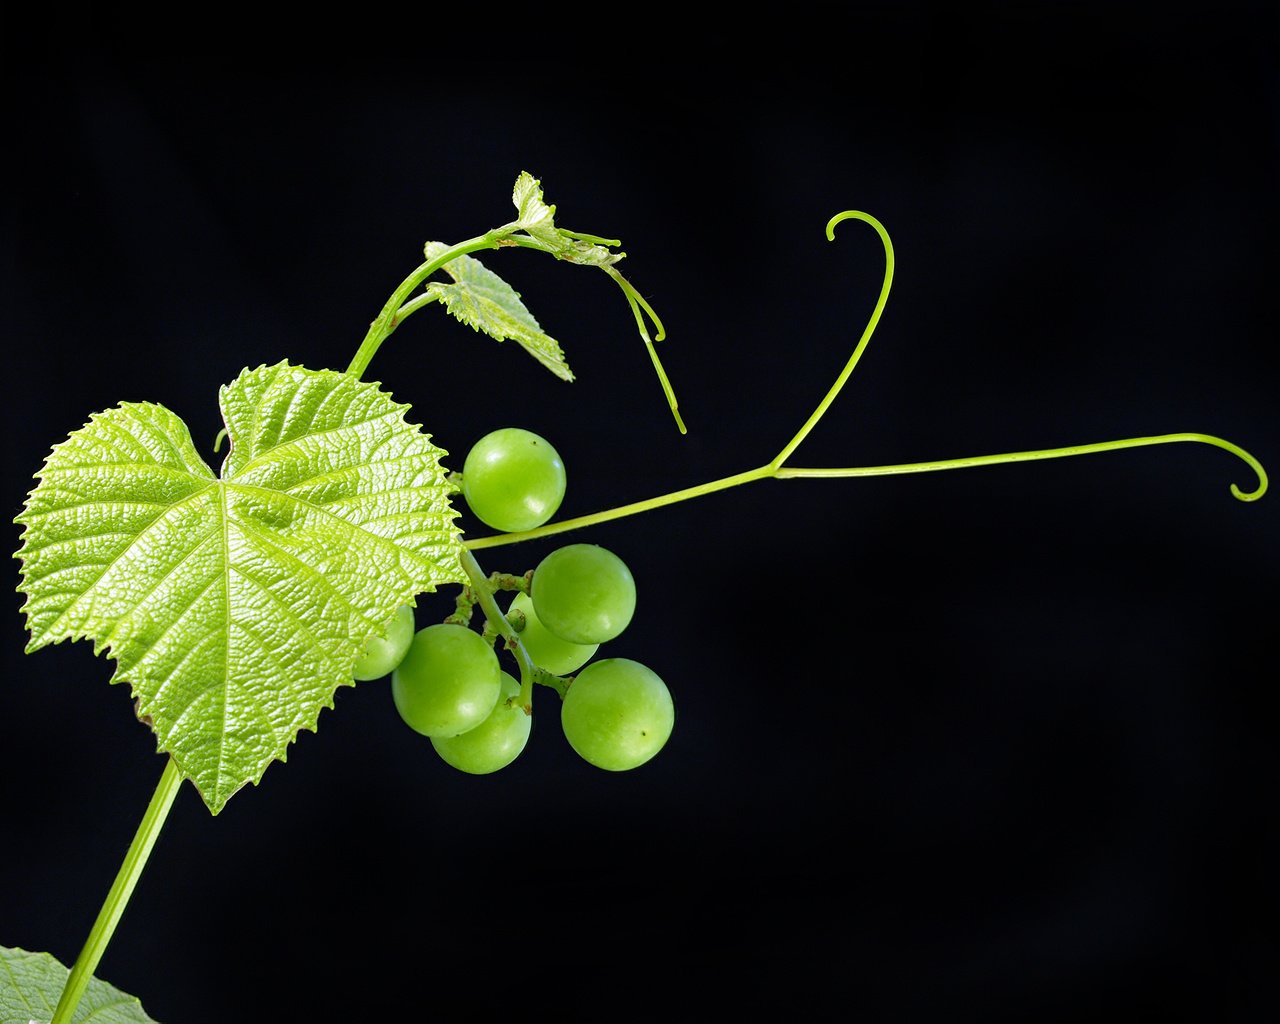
[(485, 302), (235, 605), (31, 985)]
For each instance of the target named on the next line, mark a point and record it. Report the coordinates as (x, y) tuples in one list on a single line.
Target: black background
[(995, 744)]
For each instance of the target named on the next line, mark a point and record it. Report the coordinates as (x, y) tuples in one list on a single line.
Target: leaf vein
[(343, 471), (345, 524), (176, 621), (34, 517), (107, 566), (30, 550), (267, 454), (202, 687), (149, 467)]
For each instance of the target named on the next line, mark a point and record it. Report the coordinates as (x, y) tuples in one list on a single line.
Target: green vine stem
[(595, 518), (394, 310), (135, 860)]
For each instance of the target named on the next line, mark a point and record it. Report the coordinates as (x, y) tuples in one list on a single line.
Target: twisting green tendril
[(582, 236), (790, 473), (639, 308), (866, 333), (776, 469), (638, 304), (1045, 453)]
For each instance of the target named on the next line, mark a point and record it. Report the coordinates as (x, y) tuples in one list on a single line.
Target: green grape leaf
[(484, 301), (535, 216), (31, 985), (236, 605)]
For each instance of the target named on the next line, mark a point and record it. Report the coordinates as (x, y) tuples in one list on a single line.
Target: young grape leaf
[(536, 218), (481, 299), (31, 985), (235, 606)]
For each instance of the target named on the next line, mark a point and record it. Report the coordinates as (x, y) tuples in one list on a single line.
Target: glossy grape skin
[(383, 653), (448, 682), (513, 479), (583, 593), (617, 714), (548, 651), (495, 742)]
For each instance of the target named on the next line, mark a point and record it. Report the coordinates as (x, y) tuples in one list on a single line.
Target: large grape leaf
[(235, 606), (485, 302), (31, 985)]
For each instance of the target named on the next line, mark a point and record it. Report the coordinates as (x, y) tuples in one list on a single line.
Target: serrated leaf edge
[(105, 649)]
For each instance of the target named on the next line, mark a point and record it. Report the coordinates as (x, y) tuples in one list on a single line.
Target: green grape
[(495, 742), (559, 657), (513, 480), (617, 714), (384, 652), (583, 593), (448, 681)]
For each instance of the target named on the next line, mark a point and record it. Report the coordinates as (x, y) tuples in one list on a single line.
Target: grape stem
[(483, 590), (777, 468)]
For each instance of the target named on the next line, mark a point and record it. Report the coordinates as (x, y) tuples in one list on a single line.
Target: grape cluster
[(447, 680)]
